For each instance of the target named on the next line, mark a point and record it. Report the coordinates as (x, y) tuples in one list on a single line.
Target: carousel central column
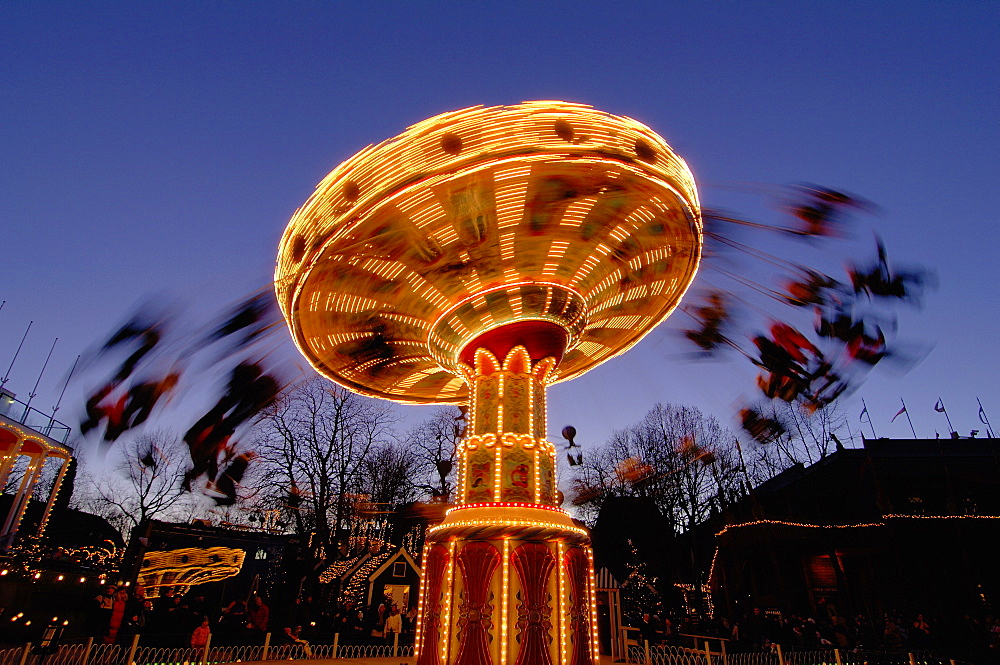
[(508, 577)]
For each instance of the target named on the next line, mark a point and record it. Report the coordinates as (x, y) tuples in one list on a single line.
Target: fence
[(671, 655), (665, 655), (114, 654)]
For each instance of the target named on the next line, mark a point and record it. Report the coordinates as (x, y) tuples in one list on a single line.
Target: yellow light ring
[(507, 504), (449, 336), (402, 388), (499, 529), (346, 240)]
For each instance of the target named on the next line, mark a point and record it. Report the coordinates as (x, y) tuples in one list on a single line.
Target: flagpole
[(908, 419), (867, 413), (984, 420), (6, 377), (951, 428), (851, 434), (907, 412)]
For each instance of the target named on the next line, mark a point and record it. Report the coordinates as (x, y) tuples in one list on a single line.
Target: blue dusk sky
[(161, 147)]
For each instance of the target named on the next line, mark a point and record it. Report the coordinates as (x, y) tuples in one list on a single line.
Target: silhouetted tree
[(143, 484), (685, 462), (433, 443), (809, 437), (315, 444)]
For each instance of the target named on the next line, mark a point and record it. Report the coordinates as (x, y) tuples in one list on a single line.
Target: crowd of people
[(964, 636), (189, 620), (175, 620)]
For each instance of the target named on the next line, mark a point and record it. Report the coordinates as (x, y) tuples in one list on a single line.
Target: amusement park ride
[(477, 258)]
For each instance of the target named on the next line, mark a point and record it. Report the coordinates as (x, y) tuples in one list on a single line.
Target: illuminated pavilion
[(25, 432), (477, 258)]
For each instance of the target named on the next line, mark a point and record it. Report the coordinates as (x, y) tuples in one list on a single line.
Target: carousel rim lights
[(455, 209), (506, 504), (509, 522)]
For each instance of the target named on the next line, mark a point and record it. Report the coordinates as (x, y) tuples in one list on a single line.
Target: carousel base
[(507, 585)]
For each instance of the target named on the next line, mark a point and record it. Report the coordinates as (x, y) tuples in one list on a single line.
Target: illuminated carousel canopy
[(580, 226)]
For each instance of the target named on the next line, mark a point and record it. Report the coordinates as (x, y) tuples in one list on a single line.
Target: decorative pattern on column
[(534, 563), (506, 457), (478, 561), (430, 624), (577, 573)]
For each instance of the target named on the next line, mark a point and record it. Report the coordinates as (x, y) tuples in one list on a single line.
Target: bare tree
[(143, 484), (433, 444), (13, 480), (314, 443), (388, 475), (809, 437), (685, 462)]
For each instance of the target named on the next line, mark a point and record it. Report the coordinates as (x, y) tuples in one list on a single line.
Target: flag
[(898, 414), (982, 416), (939, 406), (864, 412)]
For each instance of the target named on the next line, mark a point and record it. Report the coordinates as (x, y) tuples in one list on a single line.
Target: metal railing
[(753, 658), (670, 655), (46, 424), (665, 655), (115, 654)]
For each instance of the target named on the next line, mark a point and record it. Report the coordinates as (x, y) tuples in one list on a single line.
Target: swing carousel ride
[(477, 258)]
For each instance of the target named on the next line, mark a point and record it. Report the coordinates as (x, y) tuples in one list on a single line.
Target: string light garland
[(707, 593), (863, 525), (354, 591), (29, 559)]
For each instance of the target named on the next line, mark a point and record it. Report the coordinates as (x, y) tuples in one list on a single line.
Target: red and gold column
[(508, 577)]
